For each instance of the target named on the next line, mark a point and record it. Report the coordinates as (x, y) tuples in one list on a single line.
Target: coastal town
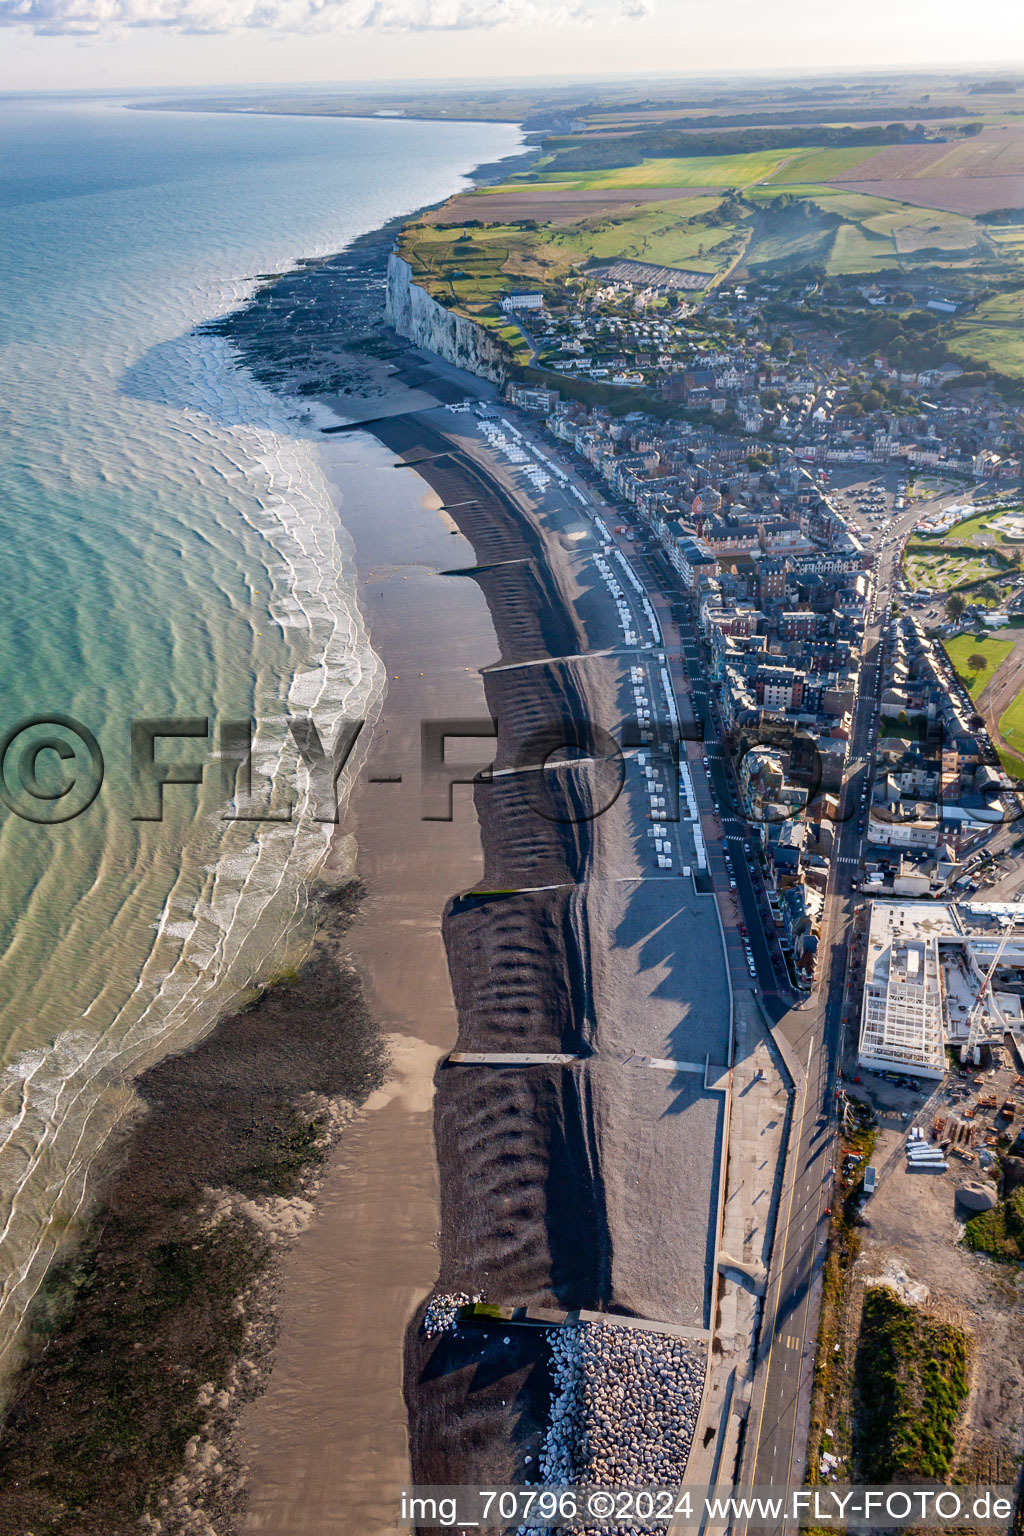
[(611, 1119), (805, 520)]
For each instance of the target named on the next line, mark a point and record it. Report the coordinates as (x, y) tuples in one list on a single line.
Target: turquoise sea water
[(167, 547)]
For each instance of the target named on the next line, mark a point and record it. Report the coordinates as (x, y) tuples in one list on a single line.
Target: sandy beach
[(328, 1442), (531, 1186)]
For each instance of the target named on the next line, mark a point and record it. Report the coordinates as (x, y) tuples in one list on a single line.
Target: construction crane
[(970, 1052)]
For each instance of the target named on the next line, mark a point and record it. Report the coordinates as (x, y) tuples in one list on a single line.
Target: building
[(901, 1013), (692, 559), (926, 964), (514, 301), (528, 397)]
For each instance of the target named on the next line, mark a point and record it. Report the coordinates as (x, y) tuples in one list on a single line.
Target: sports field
[(1011, 725), (995, 652)]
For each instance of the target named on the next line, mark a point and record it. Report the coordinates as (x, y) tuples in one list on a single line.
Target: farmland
[(975, 175), (758, 214), (816, 165), (854, 231), (697, 171), (968, 195)]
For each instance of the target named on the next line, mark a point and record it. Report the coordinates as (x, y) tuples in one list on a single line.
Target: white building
[(901, 1014), (514, 301), (926, 964)]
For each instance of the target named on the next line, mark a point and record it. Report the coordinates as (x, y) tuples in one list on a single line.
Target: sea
[(169, 553)]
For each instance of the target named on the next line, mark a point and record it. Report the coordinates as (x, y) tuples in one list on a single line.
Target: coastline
[(327, 1444), (520, 1184)]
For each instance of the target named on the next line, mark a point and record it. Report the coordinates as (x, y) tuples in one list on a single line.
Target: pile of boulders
[(442, 1311), (624, 1407)]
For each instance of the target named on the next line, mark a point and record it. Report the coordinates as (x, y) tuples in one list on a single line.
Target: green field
[(1004, 309), (695, 171), (995, 652), (792, 242), (1011, 724), (990, 347), (972, 527), (658, 233), (814, 165), (856, 249)]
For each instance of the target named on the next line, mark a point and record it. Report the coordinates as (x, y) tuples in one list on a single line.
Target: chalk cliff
[(414, 314)]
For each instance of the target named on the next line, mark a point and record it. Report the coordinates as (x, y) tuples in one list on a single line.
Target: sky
[(126, 44)]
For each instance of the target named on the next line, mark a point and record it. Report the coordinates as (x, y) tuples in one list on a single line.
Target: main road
[(779, 1419)]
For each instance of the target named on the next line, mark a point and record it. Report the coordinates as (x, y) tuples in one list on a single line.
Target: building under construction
[(938, 974)]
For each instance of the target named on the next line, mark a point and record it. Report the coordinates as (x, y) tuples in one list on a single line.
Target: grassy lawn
[(971, 526), (1004, 309), (998, 347), (795, 244), (1012, 764), (995, 652), (1011, 724), (856, 249)]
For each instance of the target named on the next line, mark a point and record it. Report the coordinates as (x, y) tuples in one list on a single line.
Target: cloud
[(50, 17)]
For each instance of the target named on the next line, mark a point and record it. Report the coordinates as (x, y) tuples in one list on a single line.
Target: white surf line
[(177, 1015)]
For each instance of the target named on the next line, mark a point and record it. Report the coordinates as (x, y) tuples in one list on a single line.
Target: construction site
[(929, 1184), (940, 977)]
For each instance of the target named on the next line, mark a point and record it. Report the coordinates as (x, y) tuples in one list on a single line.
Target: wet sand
[(328, 1442)]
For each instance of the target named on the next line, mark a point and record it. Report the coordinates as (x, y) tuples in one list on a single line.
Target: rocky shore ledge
[(161, 1323)]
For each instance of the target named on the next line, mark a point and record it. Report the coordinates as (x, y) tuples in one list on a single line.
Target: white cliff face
[(426, 323)]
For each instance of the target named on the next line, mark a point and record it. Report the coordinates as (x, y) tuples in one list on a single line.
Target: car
[(705, 761), (746, 847), (732, 885)]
